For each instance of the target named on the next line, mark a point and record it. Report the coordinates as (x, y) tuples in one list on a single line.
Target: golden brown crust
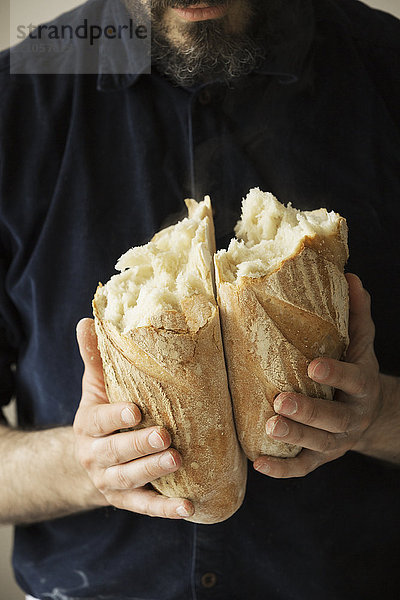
[(273, 326), (175, 372), (332, 247)]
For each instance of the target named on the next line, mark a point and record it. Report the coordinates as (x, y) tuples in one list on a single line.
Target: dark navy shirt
[(94, 164)]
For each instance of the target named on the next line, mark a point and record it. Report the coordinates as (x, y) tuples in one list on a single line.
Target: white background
[(36, 11)]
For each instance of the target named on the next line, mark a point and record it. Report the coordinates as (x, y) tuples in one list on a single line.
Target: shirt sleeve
[(8, 350), (9, 328)]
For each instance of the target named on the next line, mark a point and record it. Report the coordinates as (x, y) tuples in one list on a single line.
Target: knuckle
[(344, 421), (347, 442), (365, 421), (297, 468), (99, 482), (152, 469), (169, 510), (112, 452), (307, 469), (116, 499), (96, 416), (361, 384), (373, 363), (328, 443), (298, 435), (310, 411), (122, 478), (150, 505), (147, 508), (79, 424), (339, 374), (139, 442), (284, 471), (105, 419), (85, 455), (158, 509), (309, 463), (279, 470), (86, 461), (292, 467), (303, 471), (363, 417), (94, 390)]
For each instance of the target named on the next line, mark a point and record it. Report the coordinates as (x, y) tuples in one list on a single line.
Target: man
[(294, 96)]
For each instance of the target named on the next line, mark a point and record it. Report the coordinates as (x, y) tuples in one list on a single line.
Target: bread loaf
[(159, 336), (283, 301)]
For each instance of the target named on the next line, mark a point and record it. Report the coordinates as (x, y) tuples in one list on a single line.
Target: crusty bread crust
[(174, 370), (273, 326)]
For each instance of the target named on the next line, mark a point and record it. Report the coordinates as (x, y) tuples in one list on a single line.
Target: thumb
[(93, 378), (87, 342)]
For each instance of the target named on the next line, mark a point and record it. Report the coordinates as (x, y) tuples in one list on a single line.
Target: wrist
[(40, 477), (380, 440)]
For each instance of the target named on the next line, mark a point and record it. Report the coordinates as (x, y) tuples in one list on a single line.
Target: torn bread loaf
[(283, 301), (159, 336)]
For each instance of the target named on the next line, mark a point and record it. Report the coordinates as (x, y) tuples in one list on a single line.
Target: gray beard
[(213, 53)]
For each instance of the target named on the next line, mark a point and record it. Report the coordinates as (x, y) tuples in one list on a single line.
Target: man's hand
[(121, 464), (328, 429)]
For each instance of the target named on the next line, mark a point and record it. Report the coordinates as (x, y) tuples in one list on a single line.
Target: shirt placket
[(209, 576)]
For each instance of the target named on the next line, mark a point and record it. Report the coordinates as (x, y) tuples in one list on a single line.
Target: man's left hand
[(327, 429)]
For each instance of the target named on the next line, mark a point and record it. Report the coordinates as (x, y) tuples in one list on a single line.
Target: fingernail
[(155, 440), (182, 511), (277, 428), (262, 468), (167, 461), (320, 371), (128, 416), (285, 405)]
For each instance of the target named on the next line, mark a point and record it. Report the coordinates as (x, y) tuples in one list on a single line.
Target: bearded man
[(298, 97)]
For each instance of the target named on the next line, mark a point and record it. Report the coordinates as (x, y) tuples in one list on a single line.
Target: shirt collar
[(294, 32), (124, 60)]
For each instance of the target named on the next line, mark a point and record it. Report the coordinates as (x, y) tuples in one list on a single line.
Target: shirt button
[(205, 96), (208, 580)]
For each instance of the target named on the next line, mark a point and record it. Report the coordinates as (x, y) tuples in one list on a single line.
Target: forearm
[(382, 439), (40, 477)]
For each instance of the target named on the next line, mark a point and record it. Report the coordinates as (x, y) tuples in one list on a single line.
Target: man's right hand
[(121, 464)]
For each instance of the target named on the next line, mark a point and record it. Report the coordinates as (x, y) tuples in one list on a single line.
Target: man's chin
[(225, 48), (210, 58)]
